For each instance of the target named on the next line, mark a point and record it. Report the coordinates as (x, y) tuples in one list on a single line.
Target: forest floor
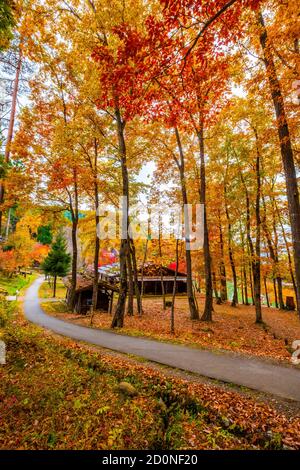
[(232, 329), (56, 394)]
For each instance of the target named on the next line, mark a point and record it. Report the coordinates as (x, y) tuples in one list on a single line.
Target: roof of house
[(85, 282), (149, 270)]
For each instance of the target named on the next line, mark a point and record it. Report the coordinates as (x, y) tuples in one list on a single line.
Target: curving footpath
[(278, 380)]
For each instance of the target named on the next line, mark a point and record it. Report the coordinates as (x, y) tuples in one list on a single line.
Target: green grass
[(46, 291), (11, 285), (54, 307)]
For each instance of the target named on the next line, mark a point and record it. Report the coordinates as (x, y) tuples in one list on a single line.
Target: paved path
[(253, 373)]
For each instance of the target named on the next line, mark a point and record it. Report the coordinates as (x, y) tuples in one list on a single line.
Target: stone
[(295, 359), (296, 344), (127, 389)]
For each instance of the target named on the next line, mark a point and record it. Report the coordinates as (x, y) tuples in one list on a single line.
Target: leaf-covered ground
[(233, 329), (56, 394)]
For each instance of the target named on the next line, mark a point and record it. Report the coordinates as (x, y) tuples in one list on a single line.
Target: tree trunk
[(10, 129), (161, 264), (279, 279), (7, 224), (266, 291), (74, 265), (75, 218), (274, 257), (214, 281), (234, 301), (243, 274), (135, 277), (130, 285), (142, 269), (242, 286), (245, 284), (222, 268), (208, 308), (251, 283), (249, 239), (97, 239), (174, 291), (287, 250), (118, 319), (286, 150), (275, 293), (194, 313), (54, 286), (280, 293), (256, 264)]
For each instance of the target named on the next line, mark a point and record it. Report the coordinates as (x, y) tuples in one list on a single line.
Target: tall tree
[(57, 263), (285, 148)]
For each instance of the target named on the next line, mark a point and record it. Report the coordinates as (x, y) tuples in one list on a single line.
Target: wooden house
[(152, 276), (84, 294)]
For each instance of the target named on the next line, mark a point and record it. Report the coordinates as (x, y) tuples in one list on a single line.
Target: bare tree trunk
[(214, 281), (251, 283), (97, 237), (286, 150), (245, 283), (75, 218), (287, 250), (194, 313), (7, 224), (280, 293), (118, 319), (142, 269), (74, 265), (234, 301), (243, 274), (275, 293), (242, 286), (279, 278), (161, 265), (256, 264), (273, 255), (266, 291), (249, 239), (130, 286), (135, 277), (174, 291), (10, 129), (54, 286), (222, 268), (208, 308)]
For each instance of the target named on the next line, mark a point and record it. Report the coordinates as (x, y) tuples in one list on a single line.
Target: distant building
[(151, 275), (84, 293)]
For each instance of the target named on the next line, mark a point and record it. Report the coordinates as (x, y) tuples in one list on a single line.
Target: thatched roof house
[(84, 293), (153, 277)]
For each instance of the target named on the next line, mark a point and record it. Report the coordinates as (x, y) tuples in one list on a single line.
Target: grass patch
[(54, 307), (20, 283), (46, 291)]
